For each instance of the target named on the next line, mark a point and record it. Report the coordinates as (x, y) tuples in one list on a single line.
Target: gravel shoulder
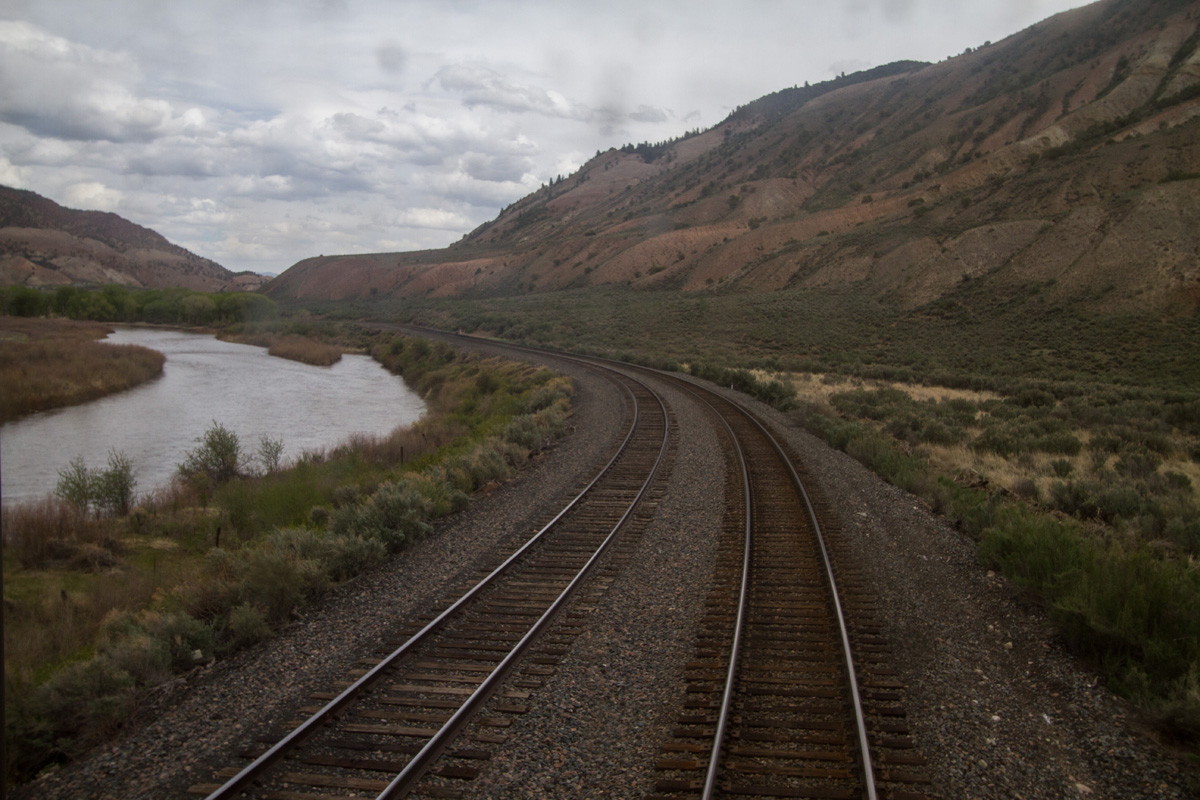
[(998, 704)]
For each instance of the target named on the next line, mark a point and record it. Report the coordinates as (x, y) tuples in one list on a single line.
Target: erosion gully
[(789, 694)]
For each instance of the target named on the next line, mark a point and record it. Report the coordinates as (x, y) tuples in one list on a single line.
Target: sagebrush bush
[(81, 705), (278, 581), (248, 624)]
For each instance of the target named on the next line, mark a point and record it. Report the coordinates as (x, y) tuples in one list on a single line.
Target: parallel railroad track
[(790, 693), (422, 718)]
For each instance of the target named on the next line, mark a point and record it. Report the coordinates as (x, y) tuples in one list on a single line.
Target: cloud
[(391, 58), (483, 86), (649, 114), (261, 133), (93, 195), (496, 168), (57, 88)]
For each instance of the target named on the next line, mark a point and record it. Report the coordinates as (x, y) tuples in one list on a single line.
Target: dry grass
[(291, 346), (817, 387), (47, 364), (73, 570), (405, 444)]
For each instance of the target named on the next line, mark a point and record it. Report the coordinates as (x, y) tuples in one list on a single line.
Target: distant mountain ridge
[(1064, 160), (43, 244)]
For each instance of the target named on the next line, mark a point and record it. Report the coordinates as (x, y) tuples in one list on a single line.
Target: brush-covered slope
[(1064, 159), (44, 244)]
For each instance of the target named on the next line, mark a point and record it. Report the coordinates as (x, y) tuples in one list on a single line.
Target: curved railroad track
[(789, 693), (422, 716)]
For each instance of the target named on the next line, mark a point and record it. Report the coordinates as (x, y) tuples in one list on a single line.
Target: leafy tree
[(198, 309), (76, 484), (270, 453), (110, 489), (113, 488), (63, 296), (22, 301), (219, 456)]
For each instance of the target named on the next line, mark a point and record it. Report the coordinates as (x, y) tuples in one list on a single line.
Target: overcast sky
[(260, 132)]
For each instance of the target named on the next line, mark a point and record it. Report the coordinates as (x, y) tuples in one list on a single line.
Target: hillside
[(1063, 160), (44, 244)]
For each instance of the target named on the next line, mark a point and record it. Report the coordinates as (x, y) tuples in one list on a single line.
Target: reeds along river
[(204, 380)]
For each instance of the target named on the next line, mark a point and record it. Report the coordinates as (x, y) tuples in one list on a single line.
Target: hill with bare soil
[(1063, 160), (43, 244)]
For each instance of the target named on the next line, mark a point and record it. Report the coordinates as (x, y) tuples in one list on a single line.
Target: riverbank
[(52, 363), (217, 561)]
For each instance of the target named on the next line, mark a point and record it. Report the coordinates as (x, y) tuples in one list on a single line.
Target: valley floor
[(998, 705)]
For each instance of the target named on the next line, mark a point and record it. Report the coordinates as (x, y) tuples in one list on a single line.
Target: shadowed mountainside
[(43, 244), (1063, 160)]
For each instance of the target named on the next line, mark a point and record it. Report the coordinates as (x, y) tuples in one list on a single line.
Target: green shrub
[(1076, 498), (1063, 444), (350, 555), (82, 705), (218, 457), (1037, 552), (1061, 467), (278, 581), (1135, 613), (395, 512), (1138, 463), (1002, 443), (248, 624)]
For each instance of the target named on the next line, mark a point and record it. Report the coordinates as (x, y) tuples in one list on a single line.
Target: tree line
[(120, 304)]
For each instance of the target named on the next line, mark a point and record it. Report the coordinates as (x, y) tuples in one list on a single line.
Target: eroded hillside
[(43, 244), (1064, 159)]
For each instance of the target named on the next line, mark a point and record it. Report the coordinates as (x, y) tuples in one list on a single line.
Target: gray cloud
[(497, 168), (646, 113), (482, 86), (392, 58)]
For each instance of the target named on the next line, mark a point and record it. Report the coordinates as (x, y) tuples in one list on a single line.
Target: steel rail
[(851, 672), (714, 760), (242, 779), (868, 771), (844, 635), (404, 782)]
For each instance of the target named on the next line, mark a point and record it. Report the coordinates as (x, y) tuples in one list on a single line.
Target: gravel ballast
[(997, 704)]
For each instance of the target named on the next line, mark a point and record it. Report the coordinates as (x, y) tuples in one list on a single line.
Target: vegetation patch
[(1094, 513), (103, 604), (47, 364)]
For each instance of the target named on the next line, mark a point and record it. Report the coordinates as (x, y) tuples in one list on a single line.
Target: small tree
[(76, 485), (219, 456), (270, 453), (114, 487)]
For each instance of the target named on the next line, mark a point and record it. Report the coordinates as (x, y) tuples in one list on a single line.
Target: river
[(204, 381)]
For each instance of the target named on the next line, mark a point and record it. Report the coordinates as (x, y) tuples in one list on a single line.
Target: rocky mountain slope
[(44, 244), (1063, 160)]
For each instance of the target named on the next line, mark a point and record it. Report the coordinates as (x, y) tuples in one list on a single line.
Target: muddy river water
[(204, 381)]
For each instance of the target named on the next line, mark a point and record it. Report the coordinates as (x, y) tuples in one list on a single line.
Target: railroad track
[(423, 717), (790, 693)]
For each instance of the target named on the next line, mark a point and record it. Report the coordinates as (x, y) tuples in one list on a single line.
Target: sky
[(261, 132)]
